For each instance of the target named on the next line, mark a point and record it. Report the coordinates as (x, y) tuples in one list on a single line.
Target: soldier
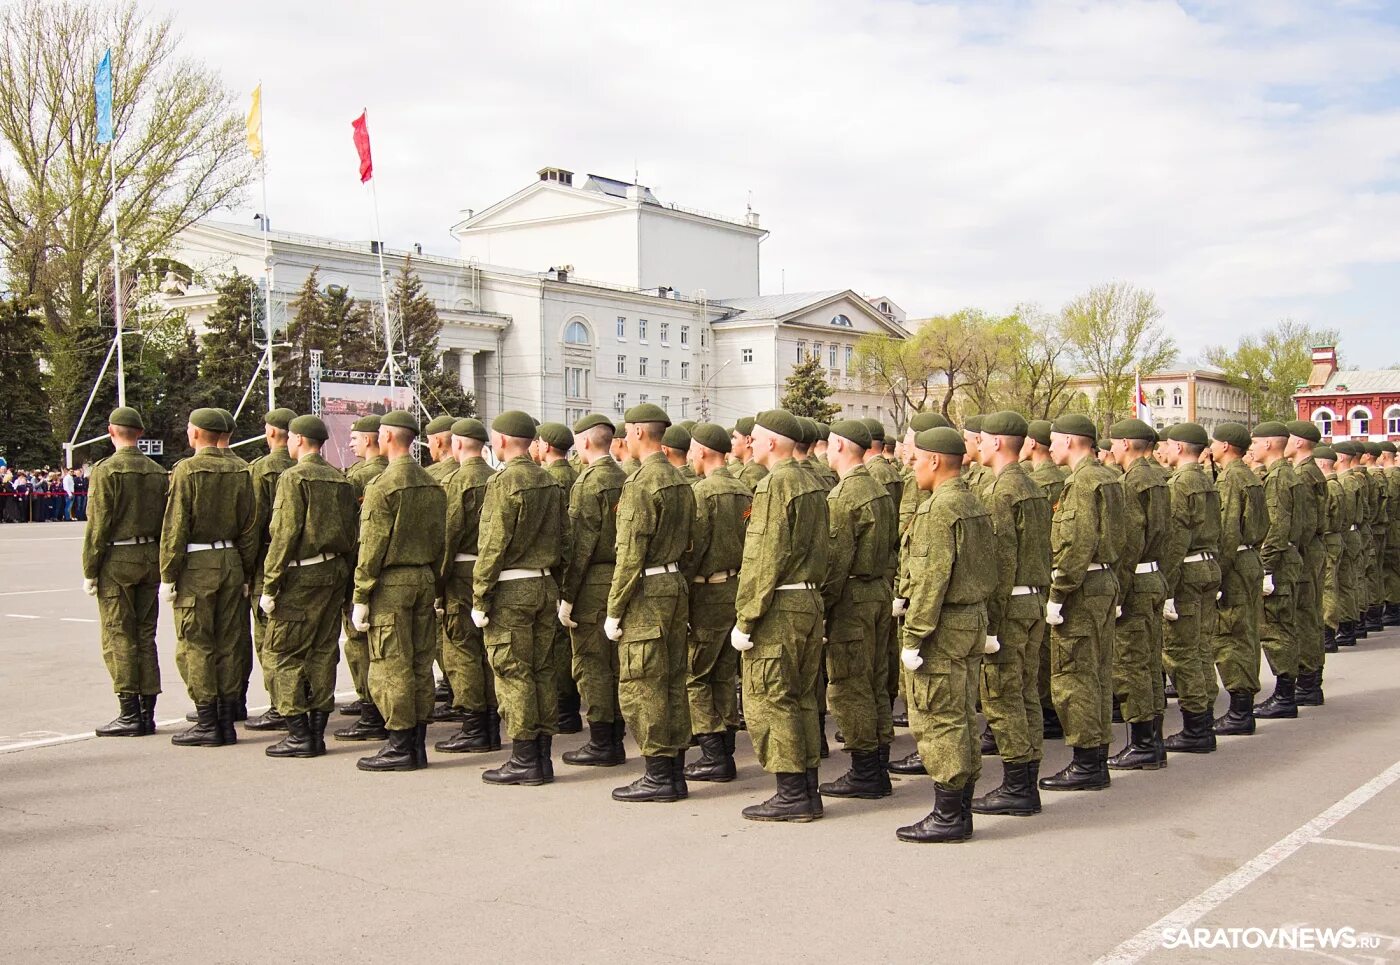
[(207, 549), (1244, 521), (619, 444), (1339, 515), (819, 453), (121, 567), (516, 598), (464, 653), (1353, 563), (1010, 677), (973, 471), (722, 506), (893, 479), (802, 452), (439, 435), (402, 522), (647, 609), (1312, 496), (1085, 541), (265, 471), (305, 575), (675, 445), (1051, 479), (1380, 535), (857, 597), (741, 443), (1391, 563), (552, 443), (911, 496), (948, 571), (1282, 567), (583, 595), (1192, 576), (880, 468), (779, 621)]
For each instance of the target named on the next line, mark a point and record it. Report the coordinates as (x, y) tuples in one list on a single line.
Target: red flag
[(362, 146)]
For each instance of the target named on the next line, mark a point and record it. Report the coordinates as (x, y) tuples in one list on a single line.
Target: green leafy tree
[(1115, 331), (420, 327), (895, 368), (307, 329), (26, 437), (1271, 365), (230, 355), (806, 391), (351, 340)]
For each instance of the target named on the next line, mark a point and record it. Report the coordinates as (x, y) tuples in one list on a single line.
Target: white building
[(1200, 395)]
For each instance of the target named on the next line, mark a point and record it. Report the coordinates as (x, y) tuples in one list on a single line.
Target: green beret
[(1189, 433), (442, 423), (1270, 430), (877, 430), (648, 412), (556, 434), (854, 430), (1346, 448), (781, 421), (676, 437), (928, 420), (1005, 423), (744, 425), (810, 432), (308, 426), (369, 423), (471, 429), (1232, 434), (941, 439), (1304, 429), (1104, 445), (230, 423), (515, 423), (1388, 446), (1325, 453), (972, 423), (399, 419), (279, 418), (1039, 430), (1074, 424), (125, 415), (711, 436), (1134, 429), (1371, 448), (823, 430), (592, 421), (687, 424), (210, 420)]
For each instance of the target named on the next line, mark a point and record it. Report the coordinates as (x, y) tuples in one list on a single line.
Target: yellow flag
[(255, 124)]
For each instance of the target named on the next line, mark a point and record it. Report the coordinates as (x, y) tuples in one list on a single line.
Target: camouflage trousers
[(1188, 655), (1377, 572), (1238, 612), (1278, 630), (464, 650), (357, 657), (300, 648), (887, 642), (943, 694), (594, 655), (209, 609), (243, 654), (1353, 572), (1010, 681), (1333, 586), (652, 665), (780, 683), (403, 637), (856, 667), (127, 589), (1137, 649), (520, 648), (1391, 566), (714, 664), (1081, 662), (1308, 628), (1369, 584), (564, 663)]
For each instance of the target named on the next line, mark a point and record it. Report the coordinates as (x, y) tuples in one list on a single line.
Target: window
[(1324, 419), (1360, 421), (576, 334), (641, 368), (746, 355), (704, 338), (1160, 398), (621, 329), (620, 403), (801, 351), (842, 321), (685, 335), (665, 333), (832, 356), (665, 401), (1176, 397), (850, 358), (685, 404), (1392, 421), (622, 365), (865, 412), (817, 350), (642, 398), (641, 329), (685, 371), (576, 382), (665, 368), (704, 372)]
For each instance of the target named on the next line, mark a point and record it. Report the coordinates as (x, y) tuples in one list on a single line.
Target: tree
[(351, 340), (229, 354), (894, 367), (1270, 366), (26, 437), (952, 349), (419, 328), (1039, 370), (806, 391), (1113, 332), (306, 330)]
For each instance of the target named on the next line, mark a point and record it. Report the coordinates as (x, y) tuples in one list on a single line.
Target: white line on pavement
[(1150, 938), (1357, 844), (21, 616), (39, 539), (61, 589), (76, 620)]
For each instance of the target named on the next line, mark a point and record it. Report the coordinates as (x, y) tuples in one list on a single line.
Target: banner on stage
[(342, 403)]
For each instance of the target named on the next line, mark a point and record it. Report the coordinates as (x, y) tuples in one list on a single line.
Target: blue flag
[(103, 85)]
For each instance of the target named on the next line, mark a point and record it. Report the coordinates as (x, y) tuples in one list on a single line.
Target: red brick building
[(1350, 403)]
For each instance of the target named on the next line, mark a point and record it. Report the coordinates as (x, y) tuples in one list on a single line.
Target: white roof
[(776, 306), (1361, 380)]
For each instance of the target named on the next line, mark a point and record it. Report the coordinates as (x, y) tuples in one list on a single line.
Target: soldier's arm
[(586, 508), (846, 527), (636, 522), (250, 536), (766, 547), (376, 528), (701, 527), (264, 494), (99, 525), (1005, 526), (500, 513), (1188, 512), (1279, 503), (930, 568), (175, 528), (455, 525), (1078, 533), (284, 532)]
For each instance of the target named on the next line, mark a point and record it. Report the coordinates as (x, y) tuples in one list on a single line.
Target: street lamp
[(705, 391)]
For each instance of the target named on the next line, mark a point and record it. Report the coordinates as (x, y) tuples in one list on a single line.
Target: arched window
[(1176, 397), (1160, 399), (1360, 421), (1323, 419), (1392, 420), (577, 334)]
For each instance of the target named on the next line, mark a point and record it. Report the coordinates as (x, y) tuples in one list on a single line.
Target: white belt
[(508, 575), (313, 560), (1024, 590), (721, 577), (1245, 546), (464, 558), (1200, 557), (1149, 567), (143, 540), (1353, 529), (658, 570), (218, 544), (798, 586), (1092, 568)]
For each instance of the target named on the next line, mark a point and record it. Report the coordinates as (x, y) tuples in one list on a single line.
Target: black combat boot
[(238, 706), (1051, 729), (128, 723), (900, 719), (1157, 740), (989, 742), (1239, 719), (397, 754), (522, 768), (1390, 616), (1374, 623), (1034, 777), (814, 791), (791, 803), (370, 726), (619, 732), (678, 776), (821, 728), (1282, 704), (445, 712), (420, 744), (569, 721), (317, 720), (267, 720), (909, 764), (1140, 753), (1329, 640), (598, 751), (654, 785), (1346, 634), (442, 690), (883, 760), (227, 708), (1168, 687), (352, 709), (1197, 734), (471, 739), (148, 713), (944, 824), (1082, 774), (297, 743), (716, 764), (1016, 796), (544, 744), (493, 728), (1359, 626), (205, 733), (969, 789), (1307, 691), (863, 780), (1117, 717)]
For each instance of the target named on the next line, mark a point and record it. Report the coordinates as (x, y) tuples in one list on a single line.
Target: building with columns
[(1200, 395)]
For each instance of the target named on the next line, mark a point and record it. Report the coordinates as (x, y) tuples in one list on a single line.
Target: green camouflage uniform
[(893, 478), (211, 502), (1391, 563), (264, 471), (1192, 572), (126, 500), (1311, 493), (1051, 480), (786, 546), (442, 470), (1341, 518), (1244, 521), (360, 475), (1353, 544), (1149, 503), (1279, 556), (688, 473), (948, 571), (464, 654), (565, 475), (313, 516), (1380, 532), (587, 579), (402, 524), (749, 473), (1366, 571)]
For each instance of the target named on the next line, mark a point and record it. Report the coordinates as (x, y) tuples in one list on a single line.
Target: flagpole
[(119, 313), (383, 282), (267, 259)]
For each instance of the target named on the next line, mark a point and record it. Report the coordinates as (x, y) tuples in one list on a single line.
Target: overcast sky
[(1240, 158)]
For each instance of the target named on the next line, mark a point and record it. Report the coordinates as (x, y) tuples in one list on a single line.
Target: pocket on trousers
[(1065, 652), (638, 655), (928, 690), (841, 661), (500, 650), (381, 632)]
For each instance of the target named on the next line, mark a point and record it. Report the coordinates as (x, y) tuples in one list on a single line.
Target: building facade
[(1350, 403), (1200, 395)]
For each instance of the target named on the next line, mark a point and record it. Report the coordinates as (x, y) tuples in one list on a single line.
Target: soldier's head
[(1001, 440), (593, 437), (1132, 439), (439, 433), (803, 447), (1071, 439), (675, 443), (1302, 437), (877, 439), (646, 426), (1184, 443), (741, 439), (1267, 442), (1326, 459), (1231, 442), (124, 427), (1037, 447), (619, 443), (775, 435), (397, 430), (364, 437), (818, 448), (709, 445), (846, 445), (1346, 456), (230, 426), (469, 437), (306, 434), (512, 432), (1388, 454), (972, 437), (205, 428), (939, 457), (555, 441), (1370, 452), (276, 425)]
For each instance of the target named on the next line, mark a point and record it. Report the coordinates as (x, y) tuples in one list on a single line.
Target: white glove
[(911, 660), (1118, 613), (267, 604), (167, 592), (992, 645), (1053, 616), (566, 613), (90, 587), (900, 607), (247, 590), (1169, 611), (359, 617), (612, 628), (440, 608), (1268, 584), (1219, 595), (480, 618), (740, 640)]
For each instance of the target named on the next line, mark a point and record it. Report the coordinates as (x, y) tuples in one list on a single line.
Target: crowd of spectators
[(42, 495)]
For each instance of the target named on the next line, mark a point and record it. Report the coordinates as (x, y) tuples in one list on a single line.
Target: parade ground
[(133, 850)]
